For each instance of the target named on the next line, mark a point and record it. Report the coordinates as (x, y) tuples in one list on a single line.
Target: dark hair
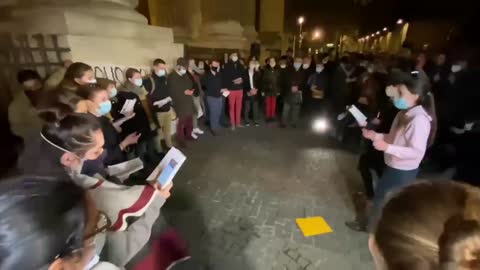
[(130, 72), (76, 71), (89, 91), (26, 75), (57, 103), (104, 83), (420, 87), (158, 61), (40, 218)]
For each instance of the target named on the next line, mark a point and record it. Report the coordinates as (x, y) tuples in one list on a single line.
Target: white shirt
[(250, 76)]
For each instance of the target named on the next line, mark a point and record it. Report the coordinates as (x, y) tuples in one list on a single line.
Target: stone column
[(103, 33)]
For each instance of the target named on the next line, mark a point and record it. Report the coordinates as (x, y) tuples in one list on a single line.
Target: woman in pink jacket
[(412, 131)]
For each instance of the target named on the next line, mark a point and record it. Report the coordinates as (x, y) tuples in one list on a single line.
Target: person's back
[(177, 84)]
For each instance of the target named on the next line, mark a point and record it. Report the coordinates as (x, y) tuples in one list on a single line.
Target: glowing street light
[(372, 35), (367, 37), (399, 21), (385, 29), (301, 20), (317, 34), (378, 33)]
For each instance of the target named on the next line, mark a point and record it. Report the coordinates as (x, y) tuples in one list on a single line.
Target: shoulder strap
[(152, 81)]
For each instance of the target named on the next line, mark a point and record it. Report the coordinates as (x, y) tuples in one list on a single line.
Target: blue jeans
[(391, 181), (215, 109)]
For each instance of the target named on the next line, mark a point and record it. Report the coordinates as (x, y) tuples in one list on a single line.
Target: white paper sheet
[(226, 93), (123, 170), (358, 115), (174, 154), (128, 106)]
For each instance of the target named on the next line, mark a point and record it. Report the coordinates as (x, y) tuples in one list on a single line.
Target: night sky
[(378, 13)]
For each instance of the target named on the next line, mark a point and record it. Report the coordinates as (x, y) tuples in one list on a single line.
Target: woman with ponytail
[(412, 131), (429, 226)]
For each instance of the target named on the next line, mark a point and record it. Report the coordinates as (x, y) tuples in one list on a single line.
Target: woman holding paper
[(99, 105), (64, 144), (129, 92), (404, 146)]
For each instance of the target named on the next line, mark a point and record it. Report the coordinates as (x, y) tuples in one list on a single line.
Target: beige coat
[(23, 117)]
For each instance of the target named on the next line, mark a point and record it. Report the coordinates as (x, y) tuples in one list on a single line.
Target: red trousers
[(235, 103), (270, 107)]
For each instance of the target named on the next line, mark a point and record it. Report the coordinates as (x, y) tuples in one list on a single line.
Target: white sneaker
[(194, 136), (198, 131)]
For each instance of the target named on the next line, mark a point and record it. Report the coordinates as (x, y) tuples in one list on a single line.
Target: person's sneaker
[(256, 124), (198, 131), (247, 124), (194, 136), (232, 128)]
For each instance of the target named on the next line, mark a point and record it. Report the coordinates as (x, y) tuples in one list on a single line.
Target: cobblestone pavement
[(237, 197)]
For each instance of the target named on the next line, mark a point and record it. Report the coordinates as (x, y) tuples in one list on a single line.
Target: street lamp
[(378, 33), (317, 34), (385, 29), (399, 21), (301, 20)]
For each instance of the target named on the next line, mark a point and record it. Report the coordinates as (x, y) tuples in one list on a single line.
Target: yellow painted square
[(313, 226)]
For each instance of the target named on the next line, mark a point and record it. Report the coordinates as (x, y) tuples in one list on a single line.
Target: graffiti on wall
[(115, 72)]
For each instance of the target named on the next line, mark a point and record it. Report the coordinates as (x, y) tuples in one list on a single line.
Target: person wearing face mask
[(194, 75), (22, 112), (233, 75), (76, 75), (161, 102), (307, 65), (99, 105), (139, 123), (60, 218), (318, 85), (412, 131), (66, 142), (270, 89), (251, 87), (212, 82), (181, 89), (294, 83)]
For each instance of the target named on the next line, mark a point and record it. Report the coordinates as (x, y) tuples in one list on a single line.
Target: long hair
[(41, 218), (431, 225)]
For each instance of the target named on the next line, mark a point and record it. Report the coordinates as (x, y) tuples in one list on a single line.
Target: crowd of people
[(62, 199)]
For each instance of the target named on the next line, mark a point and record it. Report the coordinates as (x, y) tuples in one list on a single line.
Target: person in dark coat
[(293, 83), (317, 89), (181, 90), (270, 89), (252, 92), (139, 123), (100, 106), (233, 80), (212, 82), (160, 100)]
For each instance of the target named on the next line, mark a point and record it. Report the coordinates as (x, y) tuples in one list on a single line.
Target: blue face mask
[(297, 65), (105, 107), (401, 103), (113, 92), (138, 82)]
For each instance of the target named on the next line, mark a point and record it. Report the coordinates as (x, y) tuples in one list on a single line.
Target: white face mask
[(305, 66), (182, 71), (160, 72), (272, 64), (234, 58), (297, 65), (283, 66), (456, 68), (138, 82), (319, 69)]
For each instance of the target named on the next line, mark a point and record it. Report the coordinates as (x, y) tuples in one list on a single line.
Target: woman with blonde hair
[(429, 226)]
